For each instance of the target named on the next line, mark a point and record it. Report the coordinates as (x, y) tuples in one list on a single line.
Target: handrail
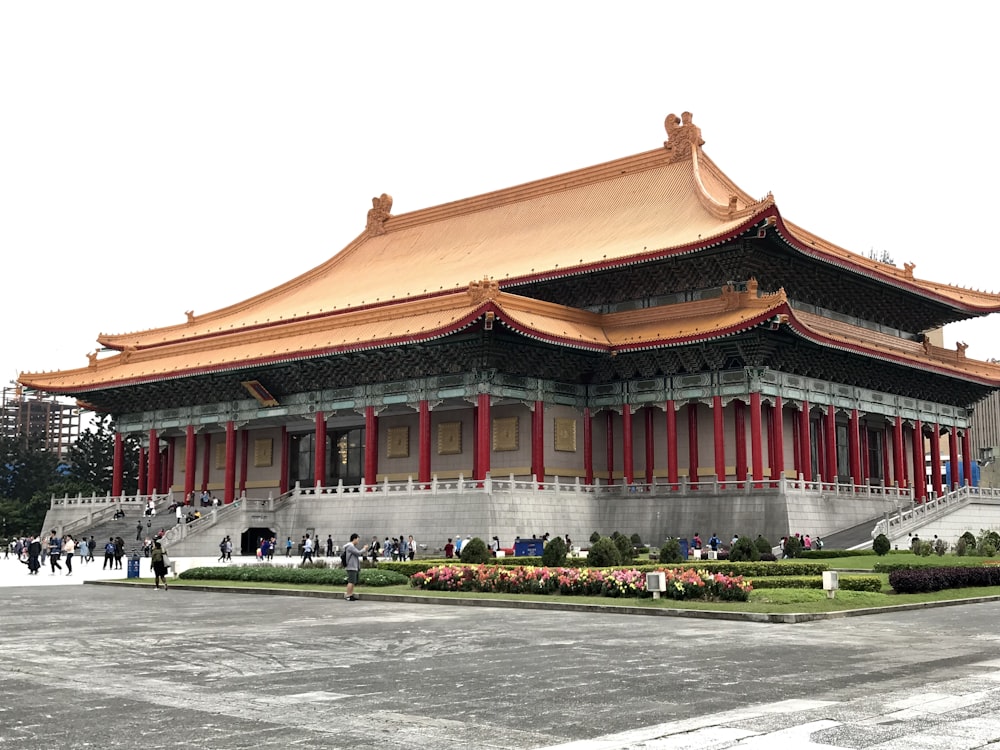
[(905, 519)]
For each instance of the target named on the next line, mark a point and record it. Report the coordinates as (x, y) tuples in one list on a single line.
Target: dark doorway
[(251, 538)]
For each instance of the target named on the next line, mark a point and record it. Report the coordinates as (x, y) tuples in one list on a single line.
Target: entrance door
[(348, 460)]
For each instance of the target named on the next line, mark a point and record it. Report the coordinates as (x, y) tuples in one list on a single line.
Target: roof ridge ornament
[(378, 214), (682, 137), (483, 291)]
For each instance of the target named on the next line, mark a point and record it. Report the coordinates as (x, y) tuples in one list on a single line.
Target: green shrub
[(744, 550), (636, 540), (286, 574), (826, 554), (670, 552), (988, 550), (314, 564), (881, 545), (624, 545), (594, 537), (554, 554), (475, 551), (969, 538), (961, 546), (604, 553), (940, 547), (847, 583), (924, 549), (763, 545), (793, 547)]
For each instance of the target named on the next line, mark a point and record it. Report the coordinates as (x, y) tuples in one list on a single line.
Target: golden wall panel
[(397, 442), (449, 438), (565, 435), (263, 452), (220, 455), (505, 434)]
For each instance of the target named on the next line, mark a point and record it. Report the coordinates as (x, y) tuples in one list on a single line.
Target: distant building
[(54, 422)]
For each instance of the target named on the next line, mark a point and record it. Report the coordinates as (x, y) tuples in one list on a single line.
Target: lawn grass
[(766, 601)]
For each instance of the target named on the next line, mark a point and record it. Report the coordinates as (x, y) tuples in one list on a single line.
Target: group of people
[(33, 552)]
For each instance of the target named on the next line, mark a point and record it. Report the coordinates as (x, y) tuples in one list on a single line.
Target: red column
[(952, 458), (796, 445), (424, 444), (805, 453), (319, 450), (118, 466), (936, 460), (885, 456), (967, 457), (142, 471), (153, 471), (588, 447), (756, 438), (538, 441), (831, 444), (854, 446), (628, 467), (650, 453), (283, 447), (206, 465), (190, 459), (609, 431), (672, 443), (371, 446), (244, 450), (897, 452), (719, 438), (740, 429), (919, 470), (483, 445), (864, 455), (168, 469), (229, 482), (777, 458), (693, 443)]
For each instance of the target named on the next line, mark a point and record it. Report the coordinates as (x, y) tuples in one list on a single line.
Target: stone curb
[(789, 618)]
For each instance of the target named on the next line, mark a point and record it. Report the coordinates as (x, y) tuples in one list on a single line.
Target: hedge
[(286, 574), (847, 583), (826, 554), (917, 580)]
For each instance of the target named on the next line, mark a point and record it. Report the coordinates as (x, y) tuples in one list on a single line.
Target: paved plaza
[(96, 666)]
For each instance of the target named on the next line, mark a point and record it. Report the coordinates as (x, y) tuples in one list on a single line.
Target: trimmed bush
[(763, 546), (847, 583), (554, 554), (636, 540), (969, 538), (475, 552), (793, 547), (940, 547), (961, 547), (744, 550), (826, 554), (918, 580), (604, 553), (881, 545), (594, 537), (624, 545), (670, 552), (285, 574)]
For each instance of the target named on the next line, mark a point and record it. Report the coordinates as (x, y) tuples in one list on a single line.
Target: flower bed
[(682, 583)]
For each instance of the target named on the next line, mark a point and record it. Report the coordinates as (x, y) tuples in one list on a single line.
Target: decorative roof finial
[(682, 135), (378, 214)]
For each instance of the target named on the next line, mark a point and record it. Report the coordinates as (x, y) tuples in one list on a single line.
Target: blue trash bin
[(133, 567), (684, 548)]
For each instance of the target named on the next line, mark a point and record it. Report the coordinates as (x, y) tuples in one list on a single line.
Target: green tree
[(604, 553), (92, 458), (554, 554), (881, 545)]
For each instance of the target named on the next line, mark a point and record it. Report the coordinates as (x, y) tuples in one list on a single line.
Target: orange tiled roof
[(666, 201)]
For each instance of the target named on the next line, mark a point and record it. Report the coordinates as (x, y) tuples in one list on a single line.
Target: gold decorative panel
[(505, 434), (263, 452), (449, 438), (565, 435), (397, 442), (220, 455)]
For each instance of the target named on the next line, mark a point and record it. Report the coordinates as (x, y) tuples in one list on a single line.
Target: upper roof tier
[(669, 201)]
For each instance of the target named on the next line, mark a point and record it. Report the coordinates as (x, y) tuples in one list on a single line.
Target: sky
[(163, 157)]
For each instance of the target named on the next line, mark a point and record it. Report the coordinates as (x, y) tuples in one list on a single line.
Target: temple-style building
[(638, 345)]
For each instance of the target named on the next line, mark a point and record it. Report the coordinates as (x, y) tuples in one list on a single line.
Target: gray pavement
[(128, 667)]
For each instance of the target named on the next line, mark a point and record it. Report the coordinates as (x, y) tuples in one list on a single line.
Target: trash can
[(133, 566), (684, 548)]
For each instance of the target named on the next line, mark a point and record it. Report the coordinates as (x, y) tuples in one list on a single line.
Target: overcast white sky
[(163, 157)]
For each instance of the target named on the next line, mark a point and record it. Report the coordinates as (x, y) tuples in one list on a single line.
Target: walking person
[(109, 554), (307, 549), (84, 550), (159, 566), (55, 551), (353, 556), (138, 531), (69, 547), (288, 547), (91, 546), (34, 552)]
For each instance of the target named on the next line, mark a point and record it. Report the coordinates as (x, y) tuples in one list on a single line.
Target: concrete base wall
[(974, 517), (433, 518)]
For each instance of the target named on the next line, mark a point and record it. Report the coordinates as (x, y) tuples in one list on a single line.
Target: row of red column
[(156, 476)]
